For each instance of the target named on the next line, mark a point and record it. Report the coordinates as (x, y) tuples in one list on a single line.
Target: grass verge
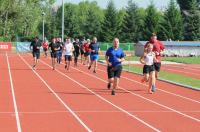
[(171, 77)]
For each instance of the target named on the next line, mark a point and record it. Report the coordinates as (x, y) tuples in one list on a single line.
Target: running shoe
[(109, 86), (153, 88), (89, 67), (113, 92)]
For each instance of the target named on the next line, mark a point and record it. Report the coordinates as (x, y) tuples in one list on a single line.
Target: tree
[(131, 31), (151, 22), (191, 13), (110, 23), (172, 24), (192, 21)]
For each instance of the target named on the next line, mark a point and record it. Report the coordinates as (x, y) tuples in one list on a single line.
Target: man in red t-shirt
[(45, 46), (86, 49), (158, 49)]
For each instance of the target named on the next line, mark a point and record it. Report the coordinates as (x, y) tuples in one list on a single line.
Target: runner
[(68, 51), (158, 49), (148, 59), (114, 57), (54, 48), (35, 47), (94, 47), (82, 49), (76, 51), (45, 46), (86, 52), (59, 52)]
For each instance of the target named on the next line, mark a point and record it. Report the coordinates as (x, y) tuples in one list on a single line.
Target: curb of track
[(164, 80)]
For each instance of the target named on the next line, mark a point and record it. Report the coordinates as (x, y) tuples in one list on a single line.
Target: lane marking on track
[(157, 88), (181, 71), (102, 98), (14, 97), (96, 111), (154, 102), (64, 104)]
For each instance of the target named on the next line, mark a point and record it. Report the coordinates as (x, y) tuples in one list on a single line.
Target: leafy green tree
[(151, 21), (172, 24), (131, 31), (192, 21), (110, 24)]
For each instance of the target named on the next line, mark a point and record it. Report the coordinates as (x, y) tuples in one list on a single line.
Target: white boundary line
[(164, 68), (154, 102), (97, 111), (14, 97), (183, 66), (102, 98), (65, 105), (157, 88)]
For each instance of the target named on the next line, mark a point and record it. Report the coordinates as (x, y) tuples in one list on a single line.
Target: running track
[(77, 100)]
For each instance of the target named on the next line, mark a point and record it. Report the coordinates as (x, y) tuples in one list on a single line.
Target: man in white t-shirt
[(68, 51)]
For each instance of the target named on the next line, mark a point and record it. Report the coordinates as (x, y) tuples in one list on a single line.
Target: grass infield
[(170, 76)]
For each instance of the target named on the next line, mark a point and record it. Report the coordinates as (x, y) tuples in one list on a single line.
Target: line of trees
[(180, 20)]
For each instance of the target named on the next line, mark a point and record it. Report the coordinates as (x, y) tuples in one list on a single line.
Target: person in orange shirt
[(45, 46)]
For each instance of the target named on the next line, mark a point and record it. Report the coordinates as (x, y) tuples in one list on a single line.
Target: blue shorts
[(94, 57)]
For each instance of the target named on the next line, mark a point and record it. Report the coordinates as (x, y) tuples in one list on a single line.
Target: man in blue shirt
[(114, 58), (94, 48)]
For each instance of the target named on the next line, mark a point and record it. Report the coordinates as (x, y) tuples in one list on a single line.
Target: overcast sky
[(122, 3)]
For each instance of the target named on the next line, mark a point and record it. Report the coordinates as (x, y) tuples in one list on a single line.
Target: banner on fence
[(23, 46), (5, 46)]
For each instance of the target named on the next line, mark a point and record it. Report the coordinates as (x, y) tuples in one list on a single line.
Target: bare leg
[(95, 66), (115, 85)]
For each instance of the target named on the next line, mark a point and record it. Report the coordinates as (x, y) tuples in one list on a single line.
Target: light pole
[(43, 14), (62, 20)]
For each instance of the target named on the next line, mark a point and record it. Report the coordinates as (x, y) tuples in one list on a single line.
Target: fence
[(124, 46)]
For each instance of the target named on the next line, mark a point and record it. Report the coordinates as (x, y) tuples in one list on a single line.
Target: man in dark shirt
[(94, 48), (54, 49), (59, 52), (35, 47), (76, 51)]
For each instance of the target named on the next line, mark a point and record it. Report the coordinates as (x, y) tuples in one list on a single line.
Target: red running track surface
[(171, 108)]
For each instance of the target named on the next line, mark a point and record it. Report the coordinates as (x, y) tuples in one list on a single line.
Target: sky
[(160, 4)]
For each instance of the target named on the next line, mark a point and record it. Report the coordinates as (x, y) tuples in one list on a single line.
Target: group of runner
[(114, 57)]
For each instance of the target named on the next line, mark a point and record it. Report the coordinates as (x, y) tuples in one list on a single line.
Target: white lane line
[(181, 71), (158, 89), (102, 98), (96, 111), (14, 97), (164, 91), (65, 105), (154, 102)]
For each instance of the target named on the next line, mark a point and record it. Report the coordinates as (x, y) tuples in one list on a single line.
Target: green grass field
[(171, 77)]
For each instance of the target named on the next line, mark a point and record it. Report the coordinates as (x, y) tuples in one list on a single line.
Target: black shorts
[(86, 54), (68, 58), (36, 54), (44, 49), (76, 54), (114, 71), (53, 54), (82, 52), (157, 66), (148, 69)]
